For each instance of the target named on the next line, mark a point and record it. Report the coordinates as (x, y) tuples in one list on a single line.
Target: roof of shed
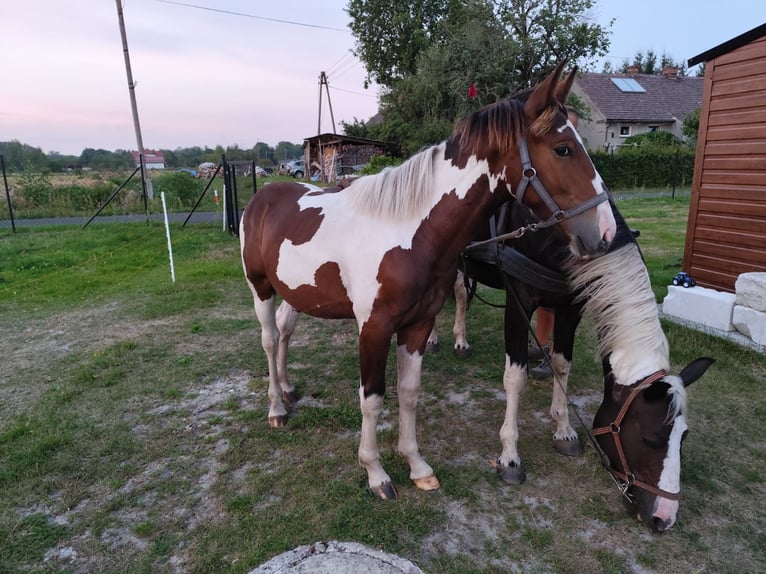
[(729, 45), (664, 99)]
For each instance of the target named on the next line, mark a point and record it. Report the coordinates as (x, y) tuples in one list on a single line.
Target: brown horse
[(384, 250)]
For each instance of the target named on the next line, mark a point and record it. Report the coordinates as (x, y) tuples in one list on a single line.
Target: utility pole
[(323, 82), (133, 106)]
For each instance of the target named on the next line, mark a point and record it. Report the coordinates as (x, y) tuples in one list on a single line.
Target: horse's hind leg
[(286, 319), (565, 438), (266, 313), (462, 347)]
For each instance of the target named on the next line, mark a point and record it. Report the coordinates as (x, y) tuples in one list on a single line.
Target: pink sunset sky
[(205, 77)]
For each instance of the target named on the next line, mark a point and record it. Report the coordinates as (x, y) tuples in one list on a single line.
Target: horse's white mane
[(397, 192), (618, 295)]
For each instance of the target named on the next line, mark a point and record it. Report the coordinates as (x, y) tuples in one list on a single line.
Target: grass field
[(133, 433)]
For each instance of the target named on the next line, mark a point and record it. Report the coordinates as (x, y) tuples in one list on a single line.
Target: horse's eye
[(655, 443), (562, 151)]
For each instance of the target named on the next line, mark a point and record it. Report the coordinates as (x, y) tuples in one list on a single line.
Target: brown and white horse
[(642, 419), (384, 250)]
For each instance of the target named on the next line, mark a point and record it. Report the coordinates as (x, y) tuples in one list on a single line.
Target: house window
[(653, 128), (624, 131)]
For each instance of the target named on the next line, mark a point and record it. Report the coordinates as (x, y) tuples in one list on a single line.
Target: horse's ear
[(563, 88), (544, 95), (695, 370), (657, 391)]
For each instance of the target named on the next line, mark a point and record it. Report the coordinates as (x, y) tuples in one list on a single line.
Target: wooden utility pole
[(323, 82), (133, 106)]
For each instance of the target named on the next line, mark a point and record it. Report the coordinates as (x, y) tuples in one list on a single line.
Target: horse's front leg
[(565, 438), (409, 362), (509, 466), (374, 341), (286, 319)]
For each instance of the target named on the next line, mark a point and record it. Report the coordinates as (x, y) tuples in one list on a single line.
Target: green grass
[(133, 428)]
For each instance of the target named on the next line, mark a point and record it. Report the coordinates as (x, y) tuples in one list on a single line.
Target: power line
[(243, 14), (352, 92)]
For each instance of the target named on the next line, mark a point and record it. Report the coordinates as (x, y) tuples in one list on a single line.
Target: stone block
[(751, 290), (751, 323), (700, 305)]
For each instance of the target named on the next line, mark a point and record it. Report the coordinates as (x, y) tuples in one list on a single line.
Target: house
[(333, 156), (153, 159), (725, 245), (626, 105)]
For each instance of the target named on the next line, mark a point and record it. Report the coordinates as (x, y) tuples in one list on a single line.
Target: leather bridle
[(625, 478)]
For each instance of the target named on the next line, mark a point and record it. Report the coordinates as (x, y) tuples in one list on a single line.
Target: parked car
[(296, 168)]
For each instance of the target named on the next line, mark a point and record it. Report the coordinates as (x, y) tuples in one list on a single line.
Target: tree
[(494, 47), (391, 34), (647, 64), (691, 127)]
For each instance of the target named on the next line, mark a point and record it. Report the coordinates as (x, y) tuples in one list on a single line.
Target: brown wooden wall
[(726, 232)]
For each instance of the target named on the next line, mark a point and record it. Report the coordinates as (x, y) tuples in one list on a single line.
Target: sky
[(205, 77)]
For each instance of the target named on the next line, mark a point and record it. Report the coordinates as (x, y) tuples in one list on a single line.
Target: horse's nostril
[(659, 524)]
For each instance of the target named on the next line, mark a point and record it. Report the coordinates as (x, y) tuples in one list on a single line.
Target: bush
[(646, 166), (180, 186)]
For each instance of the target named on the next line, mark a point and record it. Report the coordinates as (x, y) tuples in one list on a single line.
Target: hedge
[(646, 167)]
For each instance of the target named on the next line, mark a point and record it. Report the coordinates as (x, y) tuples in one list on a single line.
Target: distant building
[(153, 159), (624, 105)]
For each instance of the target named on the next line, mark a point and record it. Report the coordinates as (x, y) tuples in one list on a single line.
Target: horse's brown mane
[(497, 125)]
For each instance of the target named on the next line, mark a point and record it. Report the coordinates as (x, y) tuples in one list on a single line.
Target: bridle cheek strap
[(625, 475), (529, 177)]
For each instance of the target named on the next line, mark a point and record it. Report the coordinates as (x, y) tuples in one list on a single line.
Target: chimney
[(632, 70), (670, 72)]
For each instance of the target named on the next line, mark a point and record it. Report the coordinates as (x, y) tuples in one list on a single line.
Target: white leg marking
[(265, 311), (408, 386), (514, 380), (433, 337), (286, 319), (461, 304), (369, 455), (559, 407), (670, 479)]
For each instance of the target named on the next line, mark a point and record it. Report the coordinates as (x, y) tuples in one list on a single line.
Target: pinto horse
[(384, 250), (642, 420)]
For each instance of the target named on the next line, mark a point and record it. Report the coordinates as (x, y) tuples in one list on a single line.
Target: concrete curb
[(335, 557)]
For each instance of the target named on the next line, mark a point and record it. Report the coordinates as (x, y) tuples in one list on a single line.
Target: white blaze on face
[(606, 223), (670, 479)]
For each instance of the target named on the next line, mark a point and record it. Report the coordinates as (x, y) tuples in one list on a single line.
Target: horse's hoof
[(427, 482), (290, 398), (278, 422), (385, 491), (568, 447), (432, 348), (462, 351), (513, 474)]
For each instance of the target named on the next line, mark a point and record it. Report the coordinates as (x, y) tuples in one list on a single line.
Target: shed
[(726, 229), (335, 155)]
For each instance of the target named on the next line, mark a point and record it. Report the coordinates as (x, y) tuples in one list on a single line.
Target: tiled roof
[(665, 99), (150, 156)]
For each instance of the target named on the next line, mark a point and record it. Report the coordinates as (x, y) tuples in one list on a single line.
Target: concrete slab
[(337, 558), (702, 305), (751, 290), (750, 322)]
